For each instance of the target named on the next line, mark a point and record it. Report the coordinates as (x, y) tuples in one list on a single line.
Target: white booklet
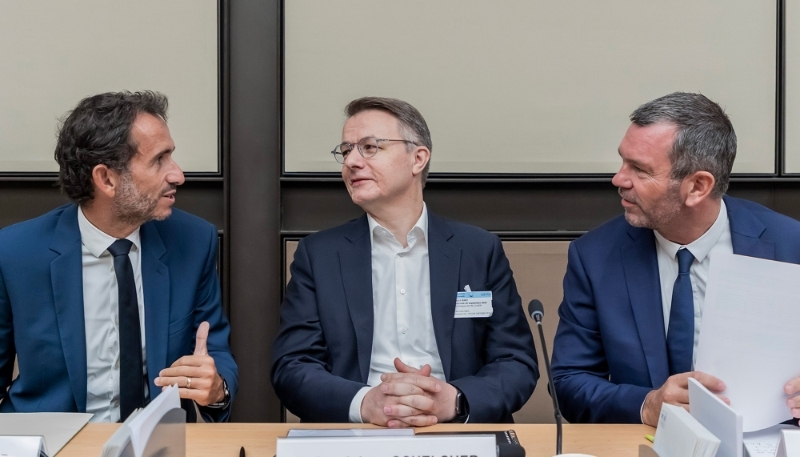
[(680, 435), (720, 419)]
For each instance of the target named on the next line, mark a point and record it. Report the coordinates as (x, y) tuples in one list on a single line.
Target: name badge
[(473, 304)]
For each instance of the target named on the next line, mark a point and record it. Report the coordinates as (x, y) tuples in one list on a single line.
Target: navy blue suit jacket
[(42, 318), (610, 349), (321, 355)]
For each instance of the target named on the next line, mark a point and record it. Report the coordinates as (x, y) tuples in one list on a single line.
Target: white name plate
[(389, 446)]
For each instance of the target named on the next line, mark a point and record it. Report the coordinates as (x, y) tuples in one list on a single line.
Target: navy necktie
[(680, 334), (131, 378)]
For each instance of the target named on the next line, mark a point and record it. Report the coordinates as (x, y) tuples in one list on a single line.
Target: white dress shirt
[(401, 303), (716, 240), (101, 316)]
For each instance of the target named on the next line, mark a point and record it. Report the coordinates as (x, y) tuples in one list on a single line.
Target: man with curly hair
[(109, 299)]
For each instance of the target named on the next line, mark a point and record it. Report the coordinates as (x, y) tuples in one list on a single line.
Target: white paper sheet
[(764, 443), (56, 428), (720, 419), (316, 432), (143, 424), (749, 338)]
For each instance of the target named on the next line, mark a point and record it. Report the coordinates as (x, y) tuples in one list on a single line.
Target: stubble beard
[(132, 206), (664, 212)]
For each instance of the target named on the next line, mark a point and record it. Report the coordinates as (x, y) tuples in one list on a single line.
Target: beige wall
[(54, 53), (522, 86), (538, 267)]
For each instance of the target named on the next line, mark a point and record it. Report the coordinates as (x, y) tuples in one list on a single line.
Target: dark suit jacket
[(321, 356), (610, 349), (41, 307)]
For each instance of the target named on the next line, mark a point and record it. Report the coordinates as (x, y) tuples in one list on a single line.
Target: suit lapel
[(746, 232), (445, 265), (639, 260), (355, 261), (66, 276), (155, 284)]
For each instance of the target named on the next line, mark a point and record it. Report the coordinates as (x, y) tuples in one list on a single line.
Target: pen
[(649, 438), (241, 452)]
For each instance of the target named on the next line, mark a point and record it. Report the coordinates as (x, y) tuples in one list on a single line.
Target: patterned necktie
[(680, 333), (131, 378)]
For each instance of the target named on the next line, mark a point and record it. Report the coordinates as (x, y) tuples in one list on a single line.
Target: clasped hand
[(409, 398), (196, 374)]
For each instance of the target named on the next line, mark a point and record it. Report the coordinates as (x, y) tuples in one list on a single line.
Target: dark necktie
[(131, 379), (680, 334)]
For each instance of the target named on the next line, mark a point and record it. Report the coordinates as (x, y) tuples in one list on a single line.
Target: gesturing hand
[(196, 374)]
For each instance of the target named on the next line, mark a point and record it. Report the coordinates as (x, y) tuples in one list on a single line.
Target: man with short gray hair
[(635, 287)]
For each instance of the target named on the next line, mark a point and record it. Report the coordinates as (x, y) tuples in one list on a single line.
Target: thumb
[(425, 370), (402, 367), (200, 347)]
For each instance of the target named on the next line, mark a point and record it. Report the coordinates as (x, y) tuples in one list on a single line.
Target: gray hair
[(705, 140), (412, 125)]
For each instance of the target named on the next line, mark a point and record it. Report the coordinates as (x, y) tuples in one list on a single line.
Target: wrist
[(223, 395), (461, 407)]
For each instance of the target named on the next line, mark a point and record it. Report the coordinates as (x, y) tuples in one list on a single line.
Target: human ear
[(698, 186), (422, 156), (105, 180)]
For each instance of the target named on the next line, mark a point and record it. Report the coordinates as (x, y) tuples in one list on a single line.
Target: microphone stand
[(552, 388)]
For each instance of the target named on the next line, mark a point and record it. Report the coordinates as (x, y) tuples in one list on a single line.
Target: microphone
[(536, 311)]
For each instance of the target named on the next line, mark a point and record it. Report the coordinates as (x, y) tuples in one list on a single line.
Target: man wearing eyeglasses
[(400, 317)]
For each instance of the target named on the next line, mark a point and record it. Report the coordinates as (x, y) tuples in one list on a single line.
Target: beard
[(663, 211), (134, 207)]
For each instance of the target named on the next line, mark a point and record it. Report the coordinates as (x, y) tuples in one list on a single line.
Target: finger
[(200, 396), (193, 361), (400, 388), (183, 382), (419, 402), (184, 371), (413, 421), (425, 370), (200, 347), (725, 399), (400, 411), (792, 387), (427, 384), (711, 383)]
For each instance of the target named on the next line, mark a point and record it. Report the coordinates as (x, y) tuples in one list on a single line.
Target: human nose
[(621, 178), (354, 159), (175, 174)]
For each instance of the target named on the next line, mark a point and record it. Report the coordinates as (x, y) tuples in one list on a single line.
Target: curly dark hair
[(97, 132)]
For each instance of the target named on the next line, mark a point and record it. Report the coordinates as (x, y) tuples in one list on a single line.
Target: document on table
[(56, 428), (748, 336), (764, 443)]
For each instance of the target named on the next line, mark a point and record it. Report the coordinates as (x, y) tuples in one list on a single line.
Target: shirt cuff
[(355, 405), (641, 410)]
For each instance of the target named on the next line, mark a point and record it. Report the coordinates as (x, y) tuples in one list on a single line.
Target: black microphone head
[(536, 308)]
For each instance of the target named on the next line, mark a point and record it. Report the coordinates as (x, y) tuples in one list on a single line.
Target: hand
[(418, 395), (676, 392), (792, 388), (374, 405), (196, 375)]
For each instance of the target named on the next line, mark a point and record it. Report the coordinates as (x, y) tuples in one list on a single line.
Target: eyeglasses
[(367, 147)]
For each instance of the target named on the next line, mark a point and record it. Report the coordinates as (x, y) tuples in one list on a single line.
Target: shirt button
[(116, 365), (402, 291), (116, 321), (403, 331)]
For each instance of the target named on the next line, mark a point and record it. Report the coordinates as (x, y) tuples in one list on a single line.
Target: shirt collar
[(703, 245), (97, 241), (421, 226)]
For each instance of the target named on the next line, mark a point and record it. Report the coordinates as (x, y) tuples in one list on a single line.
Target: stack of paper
[(139, 426), (680, 435)]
